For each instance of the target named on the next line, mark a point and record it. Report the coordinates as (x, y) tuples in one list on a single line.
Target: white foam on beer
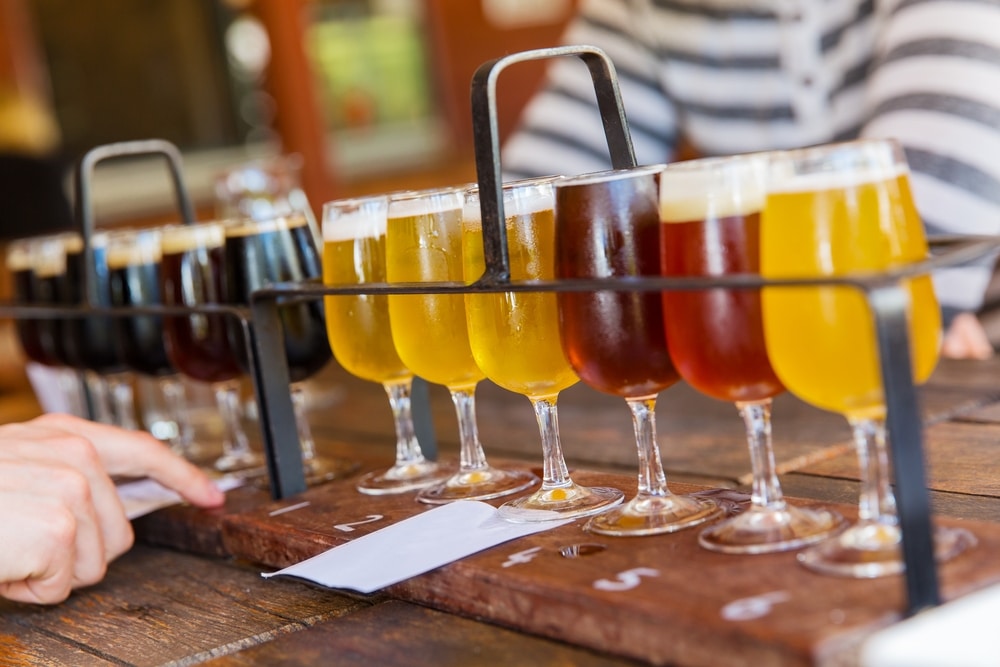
[(424, 204), (834, 180), (536, 200), (687, 195), (130, 248), (19, 255), (248, 227), (181, 238), (354, 225)]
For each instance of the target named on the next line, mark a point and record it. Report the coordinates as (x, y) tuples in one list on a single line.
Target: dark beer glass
[(608, 226), (40, 338), (90, 342), (710, 215), (134, 258), (259, 253), (198, 344)]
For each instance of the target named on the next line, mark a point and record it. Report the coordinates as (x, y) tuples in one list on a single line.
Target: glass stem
[(652, 479), (876, 503), (227, 397), (123, 401), (471, 455), (555, 474), (98, 399), (172, 390), (306, 442), (407, 446), (766, 491)]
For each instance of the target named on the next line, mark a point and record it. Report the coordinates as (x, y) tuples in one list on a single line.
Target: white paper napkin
[(145, 495), (413, 546)]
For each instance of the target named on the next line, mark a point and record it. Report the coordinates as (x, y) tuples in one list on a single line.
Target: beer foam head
[(176, 239), (132, 247), (835, 166), (250, 227), (712, 188), (349, 219), (414, 203), (19, 255), (520, 198), (49, 253)]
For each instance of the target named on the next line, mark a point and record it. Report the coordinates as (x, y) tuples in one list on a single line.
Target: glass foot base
[(761, 530), (247, 465), (868, 550), (323, 469), (405, 477), (564, 502), (651, 515), (481, 484)]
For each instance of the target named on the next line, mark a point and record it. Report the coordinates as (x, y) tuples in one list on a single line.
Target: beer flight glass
[(608, 226), (515, 341), (424, 245), (258, 253), (354, 233), (830, 211), (134, 260), (40, 338), (710, 215), (198, 344)]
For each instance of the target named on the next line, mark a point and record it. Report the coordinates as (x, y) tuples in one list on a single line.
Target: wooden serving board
[(659, 599)]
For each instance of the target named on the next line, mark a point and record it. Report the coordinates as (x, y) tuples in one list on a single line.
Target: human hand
[(61, 521), (966, 339)]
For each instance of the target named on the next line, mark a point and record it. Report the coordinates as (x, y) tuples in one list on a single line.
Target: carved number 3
[(626, 580), (349, 527)]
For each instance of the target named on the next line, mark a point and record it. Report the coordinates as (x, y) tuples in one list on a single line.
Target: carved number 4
[(349, 527), (626, 580)]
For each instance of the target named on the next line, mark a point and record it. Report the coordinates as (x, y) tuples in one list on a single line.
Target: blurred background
[(370, 95)]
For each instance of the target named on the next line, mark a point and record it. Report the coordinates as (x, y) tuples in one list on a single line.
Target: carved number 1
[(349, 527), (626, 580)]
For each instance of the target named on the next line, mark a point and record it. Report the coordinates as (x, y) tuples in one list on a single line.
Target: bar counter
[(190, 591)]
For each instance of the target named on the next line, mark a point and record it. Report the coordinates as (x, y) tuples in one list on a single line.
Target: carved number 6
[(626, 580)]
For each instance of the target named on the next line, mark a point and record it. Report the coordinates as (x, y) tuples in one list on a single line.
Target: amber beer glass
[(515, 340), (608, 226), (831, 211), (424, 245), (198, 344), (710, 215), (259, 253), (359, 333)]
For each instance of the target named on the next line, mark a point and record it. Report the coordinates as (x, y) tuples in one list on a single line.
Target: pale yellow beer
[(821, 341), (424, 244), (358, 325), (515, 335)]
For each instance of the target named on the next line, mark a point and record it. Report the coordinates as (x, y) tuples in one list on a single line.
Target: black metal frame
[(884, 292)]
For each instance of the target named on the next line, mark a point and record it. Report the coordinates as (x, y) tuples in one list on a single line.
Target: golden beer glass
[(830, 211), (360, 337), (424, 245), (515, 341)]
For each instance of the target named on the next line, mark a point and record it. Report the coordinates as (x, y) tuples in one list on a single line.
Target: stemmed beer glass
[(259, 253), (198, 344), (515, 341), (710, 215), (424, 245), (608, 226), (833, 210), (358, 328)]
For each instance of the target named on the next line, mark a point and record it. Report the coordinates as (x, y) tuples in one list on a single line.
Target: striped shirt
[(733, 76)]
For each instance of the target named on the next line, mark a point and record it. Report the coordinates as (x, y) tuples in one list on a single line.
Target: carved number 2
[(349, 527), (626, 580)]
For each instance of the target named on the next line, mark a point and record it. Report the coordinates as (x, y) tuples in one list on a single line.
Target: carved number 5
[(626, 580), (349, 527)]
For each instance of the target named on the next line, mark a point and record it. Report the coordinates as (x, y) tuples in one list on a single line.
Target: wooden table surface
[(190, 592)]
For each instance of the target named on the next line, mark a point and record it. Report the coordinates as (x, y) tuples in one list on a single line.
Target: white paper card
[(146, 495), (413, 546)]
